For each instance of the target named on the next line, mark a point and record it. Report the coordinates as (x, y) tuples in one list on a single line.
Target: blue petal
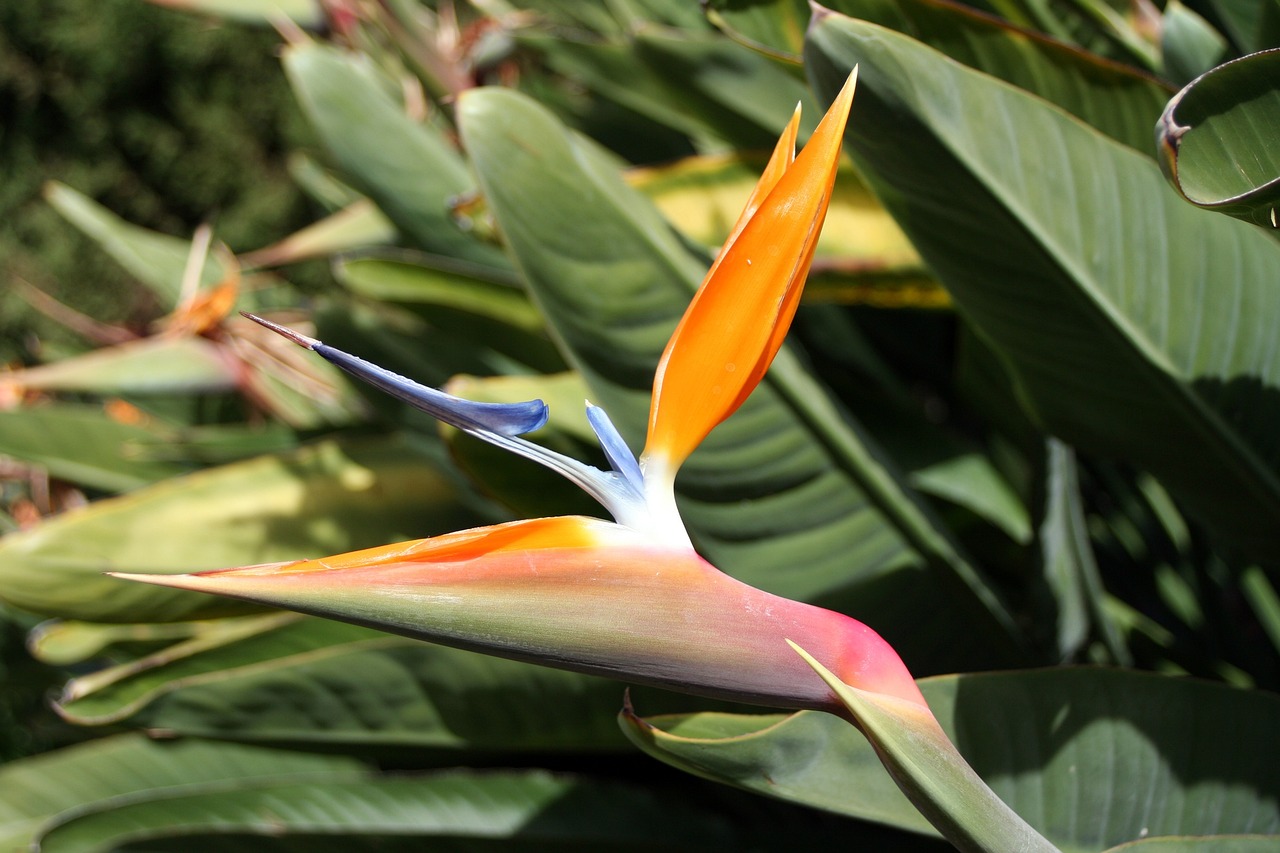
[(616, 450), (500, 418)]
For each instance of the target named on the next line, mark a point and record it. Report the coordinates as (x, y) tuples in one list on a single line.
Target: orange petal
[(740, 315)]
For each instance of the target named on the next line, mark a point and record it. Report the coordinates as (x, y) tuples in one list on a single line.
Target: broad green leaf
[(1066, 748), (326, 499), (156, 365), (407, 168), (1217, 139), (1116, 99), (461, 810), (933, 774), (1134, 325), (157, 260), (309, 682), (84, 445), (67, 780), (787, 495)]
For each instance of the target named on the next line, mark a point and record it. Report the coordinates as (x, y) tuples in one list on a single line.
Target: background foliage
[(1026, 420)]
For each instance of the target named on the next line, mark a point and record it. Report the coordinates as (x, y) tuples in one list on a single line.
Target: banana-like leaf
[(157, 260), (84, 445), (466, 811), (409, 169), (310, 682), (65, 781), (1134, 325), (322, 500), (1066, 748), (1114, 98), (785, 495), (1217, 138)]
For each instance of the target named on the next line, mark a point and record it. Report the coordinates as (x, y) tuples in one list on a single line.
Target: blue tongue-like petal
[(620, 457), (500, 418)]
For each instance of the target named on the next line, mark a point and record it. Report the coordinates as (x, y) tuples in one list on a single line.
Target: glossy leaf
[(408, 169), (1217, 139), (64, 781), (786, 495), (1114, 98), (1096, 289), (306, 682), (318, 501), (529, 810), (1063, 747)]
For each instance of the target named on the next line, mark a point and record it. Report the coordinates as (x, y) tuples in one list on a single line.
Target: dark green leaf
[(309, 682), (1090, 277), (1114, 98), (1066, 748), (530, 810), (62, 782)]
